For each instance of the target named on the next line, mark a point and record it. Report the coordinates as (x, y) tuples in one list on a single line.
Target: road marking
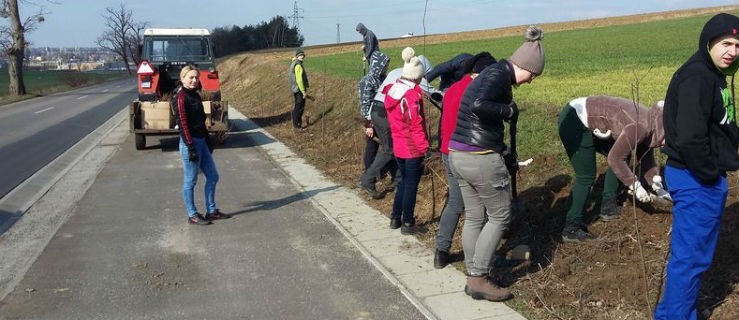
[(82, 97), (106, 90), (44, 110)]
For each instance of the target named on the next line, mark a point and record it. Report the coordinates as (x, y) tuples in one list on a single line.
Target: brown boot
[(480, 287)]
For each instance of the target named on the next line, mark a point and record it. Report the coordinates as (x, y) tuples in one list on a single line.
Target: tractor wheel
[(140, 141)]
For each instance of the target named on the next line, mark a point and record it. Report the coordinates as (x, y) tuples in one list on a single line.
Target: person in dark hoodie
[(612, 126), (370, 41), (375, 122), (449, 71), (701, 140), (476, 153)]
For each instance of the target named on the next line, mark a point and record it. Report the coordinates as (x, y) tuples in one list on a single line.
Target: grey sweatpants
[(485, 185)]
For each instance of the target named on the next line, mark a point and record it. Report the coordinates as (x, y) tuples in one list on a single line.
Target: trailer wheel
[(140, 141)]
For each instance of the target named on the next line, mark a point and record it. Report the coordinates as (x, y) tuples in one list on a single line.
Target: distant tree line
[(276, 33)]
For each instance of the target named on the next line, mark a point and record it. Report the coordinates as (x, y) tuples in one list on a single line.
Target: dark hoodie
[(370, 41), (700, 125), (449, 71)]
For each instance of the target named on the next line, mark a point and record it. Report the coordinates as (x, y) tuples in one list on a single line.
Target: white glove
[(659, 189), (602, 135), (641, 194)]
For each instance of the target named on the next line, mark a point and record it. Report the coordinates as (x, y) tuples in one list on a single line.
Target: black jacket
[(700, 124), (189, 113), (450, 71), (484, 106)]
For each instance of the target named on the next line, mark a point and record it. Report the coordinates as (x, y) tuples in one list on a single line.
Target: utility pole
[(296, 15), (338, 34)]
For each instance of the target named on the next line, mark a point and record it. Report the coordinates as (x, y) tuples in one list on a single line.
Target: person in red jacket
[(404, 105), (453, 206)]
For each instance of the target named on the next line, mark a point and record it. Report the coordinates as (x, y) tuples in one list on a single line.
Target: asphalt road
[(38, 130), (123, 249)]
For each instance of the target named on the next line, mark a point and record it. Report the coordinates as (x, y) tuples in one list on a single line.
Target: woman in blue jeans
[(404, 105), (194, 148)]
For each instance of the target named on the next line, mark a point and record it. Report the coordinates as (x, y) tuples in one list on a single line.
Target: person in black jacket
[(476, 153), (194, 147), (701, 140), (449, 71)]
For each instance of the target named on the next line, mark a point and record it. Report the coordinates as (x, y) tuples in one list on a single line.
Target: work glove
[(602, 135), (513, 113), (193, 155), (641, 194), (659, 189)]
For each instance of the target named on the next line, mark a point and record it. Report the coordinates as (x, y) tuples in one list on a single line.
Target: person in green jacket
[(299, 87)]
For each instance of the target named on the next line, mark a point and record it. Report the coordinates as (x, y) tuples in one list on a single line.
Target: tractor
[(163, 52)]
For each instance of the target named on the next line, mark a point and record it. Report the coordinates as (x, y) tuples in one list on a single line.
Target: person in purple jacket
[(614, 127)]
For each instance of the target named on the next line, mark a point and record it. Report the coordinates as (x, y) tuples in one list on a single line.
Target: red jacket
[(450, 107), (404, 104)]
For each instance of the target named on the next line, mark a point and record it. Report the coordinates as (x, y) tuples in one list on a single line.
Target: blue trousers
[(404, 203), (190, 176), (696, 211)]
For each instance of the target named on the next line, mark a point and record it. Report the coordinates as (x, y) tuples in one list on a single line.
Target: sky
[(78, 23)]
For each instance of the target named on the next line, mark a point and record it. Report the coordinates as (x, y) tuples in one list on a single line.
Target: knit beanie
[(530, 55), (299, 51), (413, 69)]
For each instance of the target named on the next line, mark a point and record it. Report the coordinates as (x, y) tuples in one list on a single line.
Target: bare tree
[(13, 42), (122, 34)]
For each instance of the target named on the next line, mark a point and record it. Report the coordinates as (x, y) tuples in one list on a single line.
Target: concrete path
[(299, 247)]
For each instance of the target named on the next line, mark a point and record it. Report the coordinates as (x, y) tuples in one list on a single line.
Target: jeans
[(696, 211), (581, 147), (384, 161), (297, 114), (453, 208), (190, 176), (486, 190), (404, 203)]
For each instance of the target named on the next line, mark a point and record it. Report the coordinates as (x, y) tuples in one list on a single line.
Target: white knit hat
[(413, 69)]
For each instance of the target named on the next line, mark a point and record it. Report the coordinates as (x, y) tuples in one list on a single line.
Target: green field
[(633, 61)]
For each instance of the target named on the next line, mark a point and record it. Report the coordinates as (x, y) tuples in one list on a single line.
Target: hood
[(656, 124), (720, 25), (394, 93), (361, 28), (378, 62)]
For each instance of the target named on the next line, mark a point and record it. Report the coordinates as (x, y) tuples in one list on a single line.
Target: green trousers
[(581, 147)]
